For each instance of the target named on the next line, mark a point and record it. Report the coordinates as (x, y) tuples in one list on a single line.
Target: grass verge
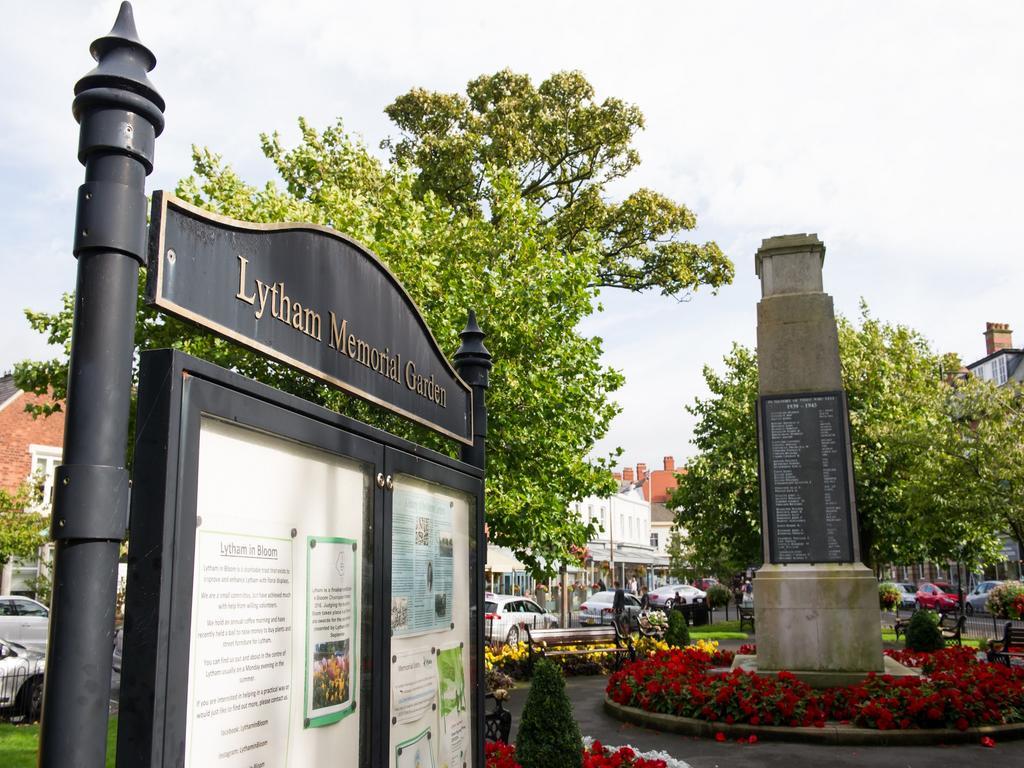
[(19, 744)]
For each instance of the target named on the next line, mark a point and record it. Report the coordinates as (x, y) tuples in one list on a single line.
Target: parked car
[(908, 594), (706, 583), (977, 600), (21, 680), (25, 621), (597, 609), (665, 597), (932, 596), (506, 615)]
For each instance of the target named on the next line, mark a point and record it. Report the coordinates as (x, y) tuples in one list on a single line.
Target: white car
[(25, 621), (505, 617), (21, 680), (665, 597)]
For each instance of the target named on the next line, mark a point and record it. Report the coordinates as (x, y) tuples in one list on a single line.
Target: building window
[(999, 369), (654, 540), (45, 460)]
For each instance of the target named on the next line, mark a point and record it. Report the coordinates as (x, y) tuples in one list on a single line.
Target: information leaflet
[(421, 562), (240, 681), (413, 685), (453, 731), (332, 656)]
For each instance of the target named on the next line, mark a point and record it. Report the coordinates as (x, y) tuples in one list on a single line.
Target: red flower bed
[(501, 755), (957, 692)]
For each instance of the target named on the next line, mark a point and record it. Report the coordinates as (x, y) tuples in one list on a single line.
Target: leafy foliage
[(548, 735), (718, 595), (923, 633), (563, 148), (530, 268), (678, 634), (903, 430), (21, 523)]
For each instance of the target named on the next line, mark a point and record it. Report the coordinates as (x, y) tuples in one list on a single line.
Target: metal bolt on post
[(120, 114)]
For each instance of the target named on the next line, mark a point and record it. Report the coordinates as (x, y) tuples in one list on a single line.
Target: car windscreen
[(490, 607)]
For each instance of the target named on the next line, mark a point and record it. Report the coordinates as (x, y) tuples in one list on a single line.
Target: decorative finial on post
[(120, 114), (473, 362)]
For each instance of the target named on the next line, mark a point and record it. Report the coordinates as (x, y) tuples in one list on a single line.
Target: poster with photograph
[(415, 752), (413, 685), (421, 561), (332, 673), (453, 708)]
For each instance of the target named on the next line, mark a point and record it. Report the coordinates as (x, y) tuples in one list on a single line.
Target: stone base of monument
[(824, 678), (820, 622)]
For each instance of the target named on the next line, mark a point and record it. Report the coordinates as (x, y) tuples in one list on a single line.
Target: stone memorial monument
[(816, 603)]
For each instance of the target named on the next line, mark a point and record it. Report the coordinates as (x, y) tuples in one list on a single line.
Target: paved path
[(587, 695)]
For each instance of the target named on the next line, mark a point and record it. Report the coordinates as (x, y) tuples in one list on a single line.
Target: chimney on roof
[(617, 476), (997, 336), (641, 472), (670, 464), (627, 474)]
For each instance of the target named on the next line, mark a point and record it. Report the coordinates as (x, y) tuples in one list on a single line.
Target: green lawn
[(721, 630), (19, 744)]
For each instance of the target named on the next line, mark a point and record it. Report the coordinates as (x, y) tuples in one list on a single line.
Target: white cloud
[(892, 130)]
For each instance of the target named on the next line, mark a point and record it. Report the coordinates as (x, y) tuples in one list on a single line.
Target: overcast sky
[(893, 130)]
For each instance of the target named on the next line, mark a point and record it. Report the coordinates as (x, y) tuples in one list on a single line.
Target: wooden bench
[(746, 616), (1010, 648), (566, 642), (951, 627)]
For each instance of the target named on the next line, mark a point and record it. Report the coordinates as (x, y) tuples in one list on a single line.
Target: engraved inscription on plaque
[(807, 478)]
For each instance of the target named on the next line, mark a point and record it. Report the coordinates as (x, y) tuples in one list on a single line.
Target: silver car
[(21, 680), (506, 616), (665, 597), (597, 609), (24, 620), (977, 599)]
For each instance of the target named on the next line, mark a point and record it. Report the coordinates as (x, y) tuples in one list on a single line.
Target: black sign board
[(310, 297), (806, 478)]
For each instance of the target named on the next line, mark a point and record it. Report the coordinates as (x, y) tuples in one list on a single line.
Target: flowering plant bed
[(956, 692), (595, 755), (513, 661)]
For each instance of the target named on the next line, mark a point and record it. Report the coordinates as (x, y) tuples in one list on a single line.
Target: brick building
[(28, 448)]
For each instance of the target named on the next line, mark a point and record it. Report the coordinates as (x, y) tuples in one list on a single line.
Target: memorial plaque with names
[(807, 478)]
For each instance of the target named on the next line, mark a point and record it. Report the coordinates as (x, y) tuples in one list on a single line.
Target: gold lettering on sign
[(282, 307), (251, 299), (292, 313)]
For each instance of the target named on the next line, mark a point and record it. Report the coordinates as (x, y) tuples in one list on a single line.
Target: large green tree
[(528, 281), (563, 148), (973, 476), (899, 406)]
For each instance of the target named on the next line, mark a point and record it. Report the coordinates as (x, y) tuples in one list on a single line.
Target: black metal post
[(121, 114), (473, 363)]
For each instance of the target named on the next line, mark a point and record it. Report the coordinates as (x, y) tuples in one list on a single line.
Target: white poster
[(332, 655), (241, 651), (413, 685)]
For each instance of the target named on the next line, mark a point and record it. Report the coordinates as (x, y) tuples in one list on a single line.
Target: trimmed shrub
[(548, 734), (923, 633), (718, 596), (678, 634), (1001, 599)]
